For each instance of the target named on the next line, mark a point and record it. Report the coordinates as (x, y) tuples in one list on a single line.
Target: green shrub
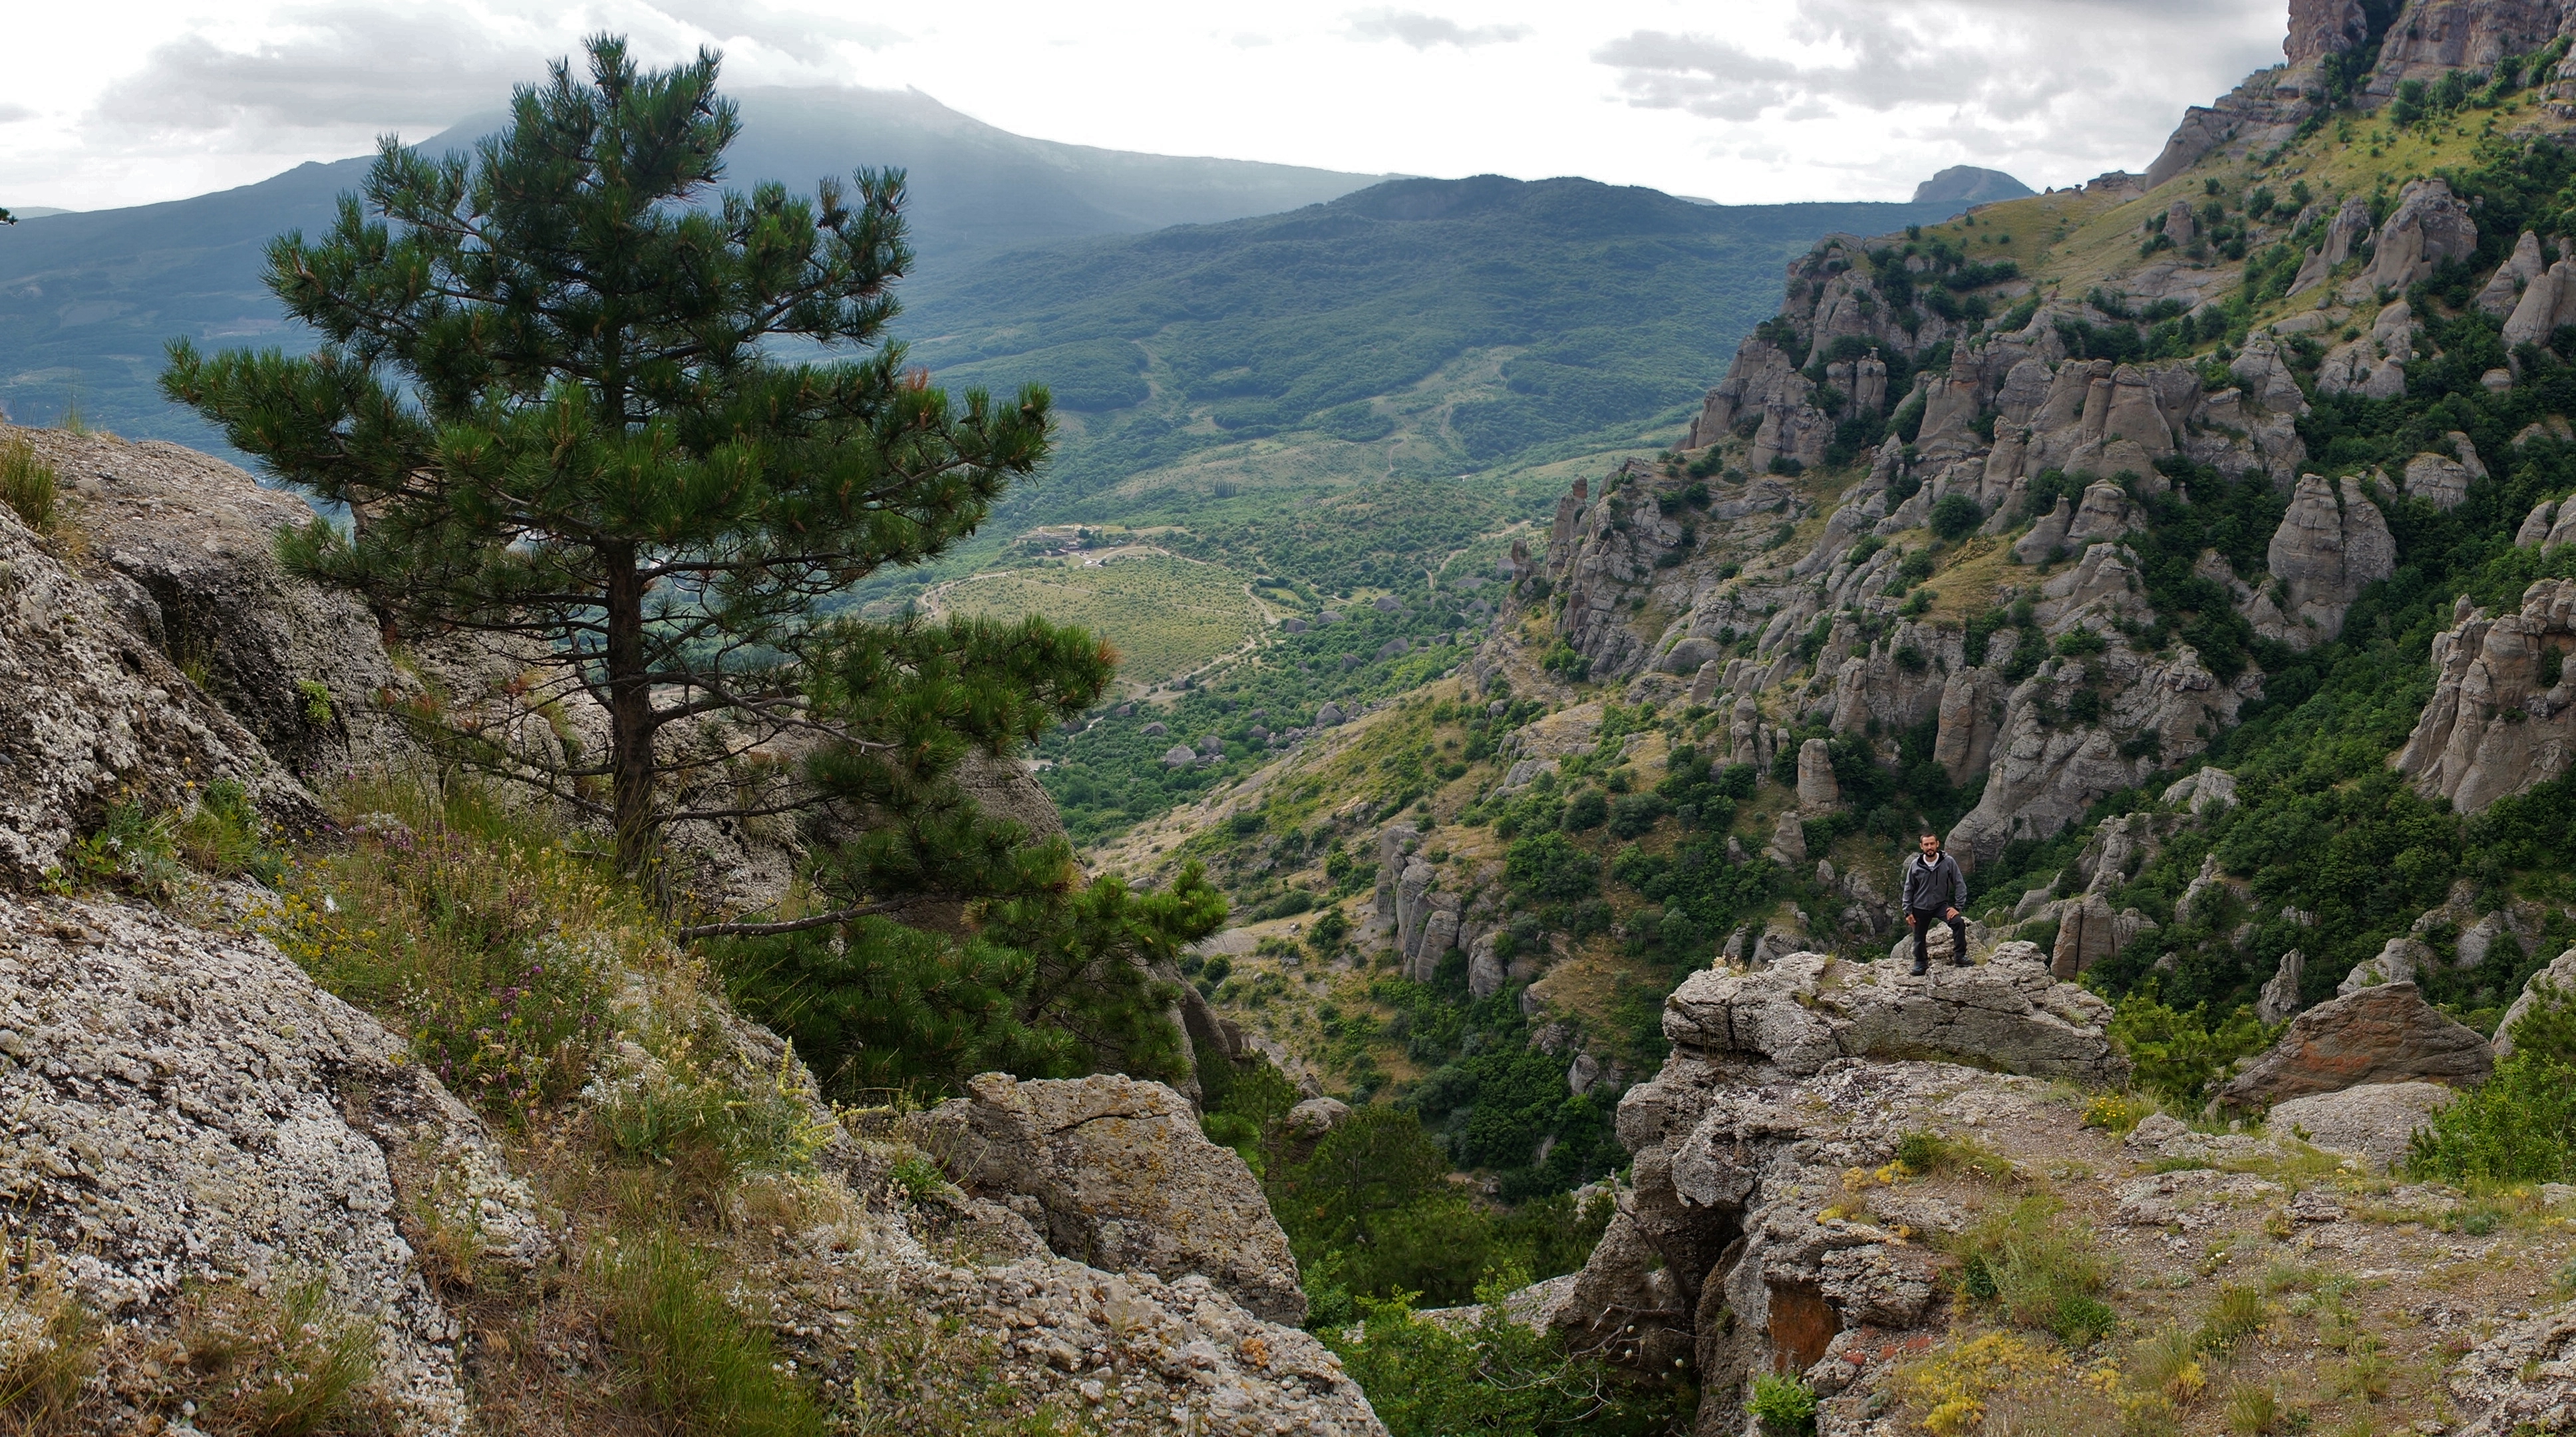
[(2519, 1125), (1428, 1380), (2045, 1272), (2175, 1055), (28, 486), (697, 1363), (1782, 1404)]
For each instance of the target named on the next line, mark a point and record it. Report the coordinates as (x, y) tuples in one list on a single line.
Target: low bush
[(474, 931), (1784, 1405), (698, 1363), (2520, 1124), (1427, 1379), (28, 486), (2176, 1055), (2041, 1270)]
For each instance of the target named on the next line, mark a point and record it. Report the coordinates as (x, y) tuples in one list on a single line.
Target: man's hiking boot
[(1961, 963), (1919, 969)]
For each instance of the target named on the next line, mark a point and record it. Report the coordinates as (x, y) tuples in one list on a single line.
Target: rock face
[(2319, 28), (2371, 1122), (2381, 1034), (188, 546), (2493, 728), (190, 1108), (2560, 976), (1808, 1009), (1120, 1177), (1732, 1246), (100, 716), (2429, 225), (2325, 553), (2521, 1380)]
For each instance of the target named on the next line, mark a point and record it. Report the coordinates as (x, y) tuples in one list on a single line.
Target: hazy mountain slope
[(1604, 306), (87, 300)]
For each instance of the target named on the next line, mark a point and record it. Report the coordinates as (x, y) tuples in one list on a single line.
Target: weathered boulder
[(2280, 996), (1123, 1180), (1807, 1009), (185, 546), (2381, 1034), (188, 1107), (2504, 289), (2324, 554), (2559, 977), (2492, 727), (2429, 226), (99, 716), (2399, 960), (2438, 480), (1788, 840), (2088, 932), (2521, 1380), (1816, 785), (2203, 790), (2047, 536), (2371, 1122), (2548, 301)]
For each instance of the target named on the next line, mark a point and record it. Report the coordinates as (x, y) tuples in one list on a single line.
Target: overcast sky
[(127, 101)]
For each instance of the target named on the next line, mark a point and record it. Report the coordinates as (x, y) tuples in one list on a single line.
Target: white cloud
[(1744, 100), (1425, 31)]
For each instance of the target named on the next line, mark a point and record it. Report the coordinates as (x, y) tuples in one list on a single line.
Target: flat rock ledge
[(1808, 1009)]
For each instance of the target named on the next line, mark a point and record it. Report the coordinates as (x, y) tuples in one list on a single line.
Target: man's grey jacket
[(1932, 887)]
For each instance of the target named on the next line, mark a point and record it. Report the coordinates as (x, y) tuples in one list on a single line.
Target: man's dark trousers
[(1923, 922)]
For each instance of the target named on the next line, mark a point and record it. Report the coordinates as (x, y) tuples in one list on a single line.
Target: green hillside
[(88, 299), (1344, 399), (1429, 326)]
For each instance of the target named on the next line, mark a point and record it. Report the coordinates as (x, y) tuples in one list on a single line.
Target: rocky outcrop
[(2555, 983), (188, 1108), (1808, 1009), (2521, 1380), (2493, 727), (2319, 28), (99, 716), (1739, 1243), (2323, 555), (2381, 1034), (2399, 960), (185, 547), (2428, 227), (1116, 1174), (2371, 1122), (2431, 38)]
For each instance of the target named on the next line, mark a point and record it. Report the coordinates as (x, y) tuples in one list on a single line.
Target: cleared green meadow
[(1164, 615)]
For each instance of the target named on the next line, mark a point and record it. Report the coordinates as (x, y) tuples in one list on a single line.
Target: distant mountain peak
[(1967, 184)]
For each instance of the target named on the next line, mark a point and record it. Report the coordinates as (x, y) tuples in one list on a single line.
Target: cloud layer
[(1740, 100), (1424, 31)]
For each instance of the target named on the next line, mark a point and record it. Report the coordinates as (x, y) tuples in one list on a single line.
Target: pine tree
[(1016, 963), (553, 401)]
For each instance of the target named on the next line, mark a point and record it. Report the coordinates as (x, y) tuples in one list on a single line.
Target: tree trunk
[(630, 713)]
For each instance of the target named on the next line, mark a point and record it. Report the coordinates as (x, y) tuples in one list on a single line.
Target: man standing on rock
[(1935, 890)]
